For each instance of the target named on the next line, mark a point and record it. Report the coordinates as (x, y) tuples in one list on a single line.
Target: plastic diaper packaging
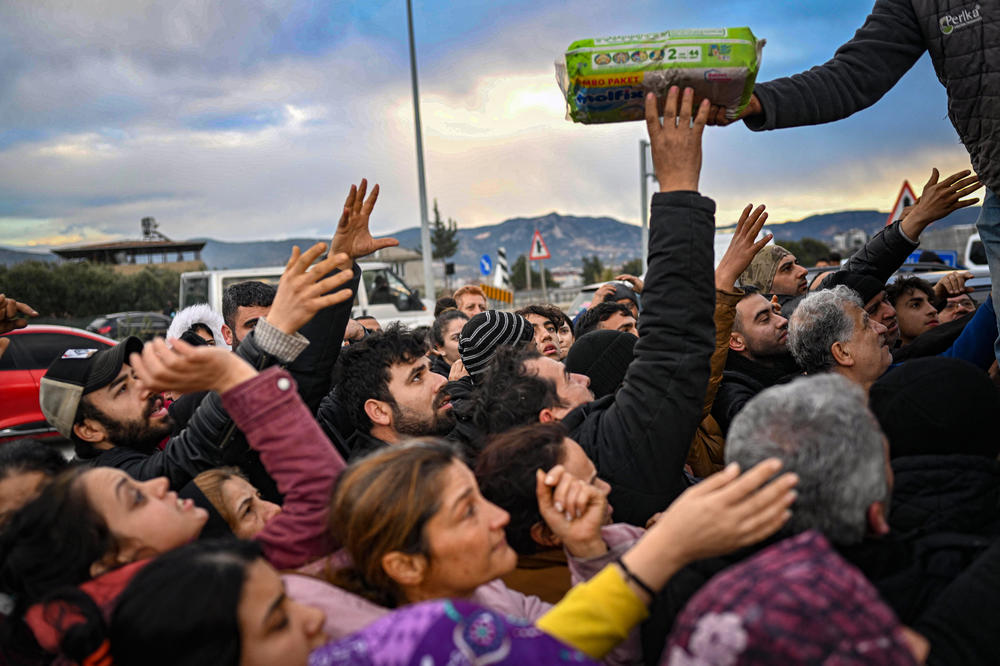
[(605, 80)]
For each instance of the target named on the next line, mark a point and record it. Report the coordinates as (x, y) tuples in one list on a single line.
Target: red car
[(30, 353)]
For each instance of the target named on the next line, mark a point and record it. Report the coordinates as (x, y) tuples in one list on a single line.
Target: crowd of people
[(717, 464)]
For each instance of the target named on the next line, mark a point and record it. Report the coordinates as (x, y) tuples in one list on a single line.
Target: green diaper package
[(605, 80)]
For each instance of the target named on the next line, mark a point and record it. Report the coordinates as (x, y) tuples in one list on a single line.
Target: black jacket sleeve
[(642, 439), (313, 369), (882, 255), (858, 75)]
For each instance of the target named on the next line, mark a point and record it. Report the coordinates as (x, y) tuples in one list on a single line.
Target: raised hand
[(11, 317), (637, 284), (676, 142), (353, 236), (953, 284), (605, 290), (743, 247), (14, 314), (303, 291), (185, 368), (939, 199), (457, 371), (574, 510)]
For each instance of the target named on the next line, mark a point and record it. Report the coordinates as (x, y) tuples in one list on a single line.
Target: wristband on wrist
[(631, 577)]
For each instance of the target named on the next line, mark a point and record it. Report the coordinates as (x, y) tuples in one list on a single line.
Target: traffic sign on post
[(485, 265), (906, 198), (539, 250)]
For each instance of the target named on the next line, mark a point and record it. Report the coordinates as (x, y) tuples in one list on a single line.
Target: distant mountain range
[(568, 238)]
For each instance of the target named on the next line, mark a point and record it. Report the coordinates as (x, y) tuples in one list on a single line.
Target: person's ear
[(546, 416), (736, 342), (878, 523), (841, 354), (543, 536), (227, 335), (90, 430), (407, 570), (378, 411)]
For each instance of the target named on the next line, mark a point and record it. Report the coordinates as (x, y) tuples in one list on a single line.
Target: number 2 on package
[(683, 54)]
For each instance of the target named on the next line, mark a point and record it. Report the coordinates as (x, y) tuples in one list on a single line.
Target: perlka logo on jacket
[(964, 18)]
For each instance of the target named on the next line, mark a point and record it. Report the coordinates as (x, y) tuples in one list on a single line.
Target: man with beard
[(758, 355), (94, 399), (388, 392)]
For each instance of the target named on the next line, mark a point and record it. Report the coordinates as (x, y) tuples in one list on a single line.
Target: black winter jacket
[(963, 39), (639, 437), (742, 380), (957, 493)]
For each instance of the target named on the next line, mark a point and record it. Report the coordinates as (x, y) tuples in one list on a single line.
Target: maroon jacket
[(300, 459)]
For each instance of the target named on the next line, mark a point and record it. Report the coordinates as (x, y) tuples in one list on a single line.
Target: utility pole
[(425, 231), (645, 173)]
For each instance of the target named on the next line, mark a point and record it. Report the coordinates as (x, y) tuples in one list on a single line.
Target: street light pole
[(644, 202), (425, 231)]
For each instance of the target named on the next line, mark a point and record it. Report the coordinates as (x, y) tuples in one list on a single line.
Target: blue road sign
[(485, 264)]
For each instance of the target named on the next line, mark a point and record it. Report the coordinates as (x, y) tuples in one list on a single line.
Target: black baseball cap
[(75, 374)]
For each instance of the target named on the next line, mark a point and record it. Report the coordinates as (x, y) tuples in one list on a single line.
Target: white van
[(381, 293), (975, 253)]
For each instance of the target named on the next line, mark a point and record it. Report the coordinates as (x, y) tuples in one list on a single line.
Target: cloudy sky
[(249, 119)]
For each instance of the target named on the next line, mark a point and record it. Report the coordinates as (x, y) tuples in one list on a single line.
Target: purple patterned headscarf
[(797, 602), (447, 632)]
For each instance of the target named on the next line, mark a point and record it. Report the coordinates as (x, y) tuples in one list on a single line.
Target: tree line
[(81, 289)]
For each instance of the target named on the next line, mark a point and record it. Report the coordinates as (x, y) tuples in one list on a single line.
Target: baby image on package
[(605, 80)]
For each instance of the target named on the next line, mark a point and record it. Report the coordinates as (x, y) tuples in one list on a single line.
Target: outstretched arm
[(643, 438), (887, 250), (268, 410), (351, 241), (858, 75)]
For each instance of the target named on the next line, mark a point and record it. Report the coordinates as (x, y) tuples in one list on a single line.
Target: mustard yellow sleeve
[(596, 615)]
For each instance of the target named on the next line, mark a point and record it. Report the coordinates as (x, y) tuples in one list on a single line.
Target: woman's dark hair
[(29, 455), (506, 469), (441, 322), (182, 608), (48, 547), (444, 303), (382, 504), (510, 394)]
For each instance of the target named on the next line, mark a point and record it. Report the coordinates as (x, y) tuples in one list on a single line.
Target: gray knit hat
[(485, 333)]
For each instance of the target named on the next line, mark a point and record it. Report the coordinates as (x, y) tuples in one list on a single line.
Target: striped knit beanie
[(488, 331)]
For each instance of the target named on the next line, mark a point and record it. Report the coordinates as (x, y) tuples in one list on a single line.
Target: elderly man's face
[(867, 347)]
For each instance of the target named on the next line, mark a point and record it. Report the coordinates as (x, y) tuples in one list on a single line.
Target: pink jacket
[(300, 459), (348, 613)]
